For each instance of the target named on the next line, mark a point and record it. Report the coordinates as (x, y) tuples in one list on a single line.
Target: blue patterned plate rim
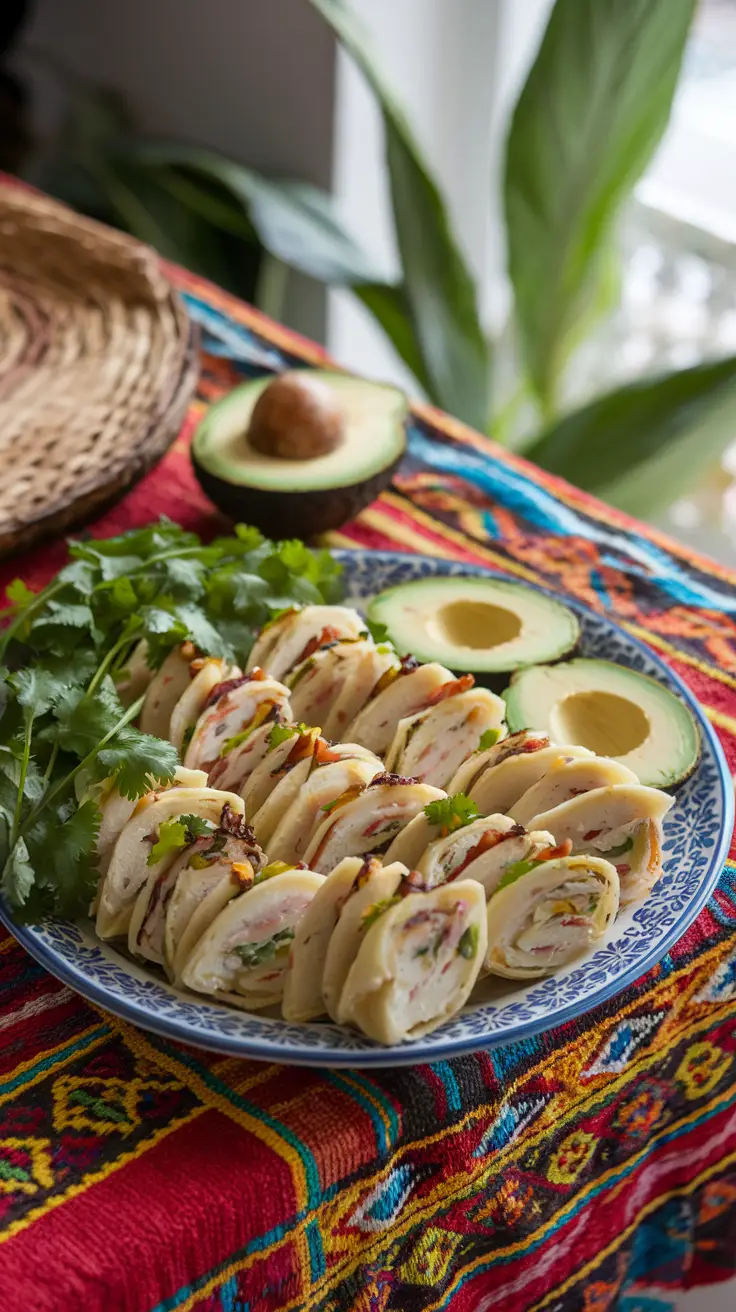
[(69, 951)]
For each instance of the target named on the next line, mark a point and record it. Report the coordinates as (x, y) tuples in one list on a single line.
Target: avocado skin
[(293, 514)]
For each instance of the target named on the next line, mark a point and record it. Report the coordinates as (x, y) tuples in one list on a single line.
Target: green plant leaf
[(642, 446), (295, 222), (593, 109), (437, 282), (391, 309)]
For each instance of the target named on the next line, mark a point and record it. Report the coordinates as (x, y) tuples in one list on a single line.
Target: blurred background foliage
[(586, 123)]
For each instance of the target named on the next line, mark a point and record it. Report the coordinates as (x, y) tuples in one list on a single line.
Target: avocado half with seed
[(613, 711), (485, 626), (301, 453)]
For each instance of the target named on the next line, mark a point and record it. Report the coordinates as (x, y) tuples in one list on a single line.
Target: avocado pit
[(297, 417)]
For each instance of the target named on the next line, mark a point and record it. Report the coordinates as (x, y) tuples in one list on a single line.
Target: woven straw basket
[(97, 364)]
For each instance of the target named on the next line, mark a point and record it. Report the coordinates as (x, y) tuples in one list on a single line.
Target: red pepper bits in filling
[(450, 689), (490, 839), (391, 779), (328, 634), (226, 686)]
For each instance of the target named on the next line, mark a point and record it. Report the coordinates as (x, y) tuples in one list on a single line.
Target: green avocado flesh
[(374, 440), (611, 710), (476, 624)]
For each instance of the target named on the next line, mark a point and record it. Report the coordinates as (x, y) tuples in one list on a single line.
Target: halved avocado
[(302, 453), (476, 624), (611, 710)]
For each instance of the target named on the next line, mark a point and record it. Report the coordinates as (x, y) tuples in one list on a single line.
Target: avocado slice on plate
[(476, 624), (301, 453), (611, 710)]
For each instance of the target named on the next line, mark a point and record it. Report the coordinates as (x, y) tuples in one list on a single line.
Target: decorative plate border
[(697, 837)]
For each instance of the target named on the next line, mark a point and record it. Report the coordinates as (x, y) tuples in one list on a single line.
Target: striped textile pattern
[(590, 1168)]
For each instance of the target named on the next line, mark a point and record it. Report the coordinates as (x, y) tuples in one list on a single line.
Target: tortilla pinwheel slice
[(546, 914), (116, 810), (403, 690), (129, 866), (372, 664), (373, 884), (367, 819), (288, 841), (303, 1000), (623, 824), (412, 841), (230, 711), (523, 743), (289, 745), (207, 674), (417, 963), (242, 957), (233, 770), (317, 683), (483, 850), (500, 786), (295, 636), (566, 779), (432, 745), (215, 867), (166, 687)]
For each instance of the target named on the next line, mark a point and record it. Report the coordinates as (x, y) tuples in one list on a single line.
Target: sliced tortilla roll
[(207, 674), (129, 868), (367, 819), (372, 665), (116, 810), (525, 742), (372, 883), (417, 963), (432, 745), (500, 786), (412, 841), (229, 711), (548, 915), (285, 751), (623, 824), (235, 768), (409, 688), (290, 838), (317, 683), (295, 636), (568, 778), (242, 957), (302, 998), (482, 850), (218, 866), (165, 689)]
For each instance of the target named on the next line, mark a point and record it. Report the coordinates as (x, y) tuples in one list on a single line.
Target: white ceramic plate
[(697, 836)]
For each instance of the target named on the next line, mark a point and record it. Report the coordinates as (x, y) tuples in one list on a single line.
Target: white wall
[(251, 78)]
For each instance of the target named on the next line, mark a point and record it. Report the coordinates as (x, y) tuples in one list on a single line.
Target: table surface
[(582, 1169)]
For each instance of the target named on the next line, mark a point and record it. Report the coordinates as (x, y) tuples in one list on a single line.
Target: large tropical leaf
[(389, 305), (296, 222), (644, 445), (593, 109), (437, 282)]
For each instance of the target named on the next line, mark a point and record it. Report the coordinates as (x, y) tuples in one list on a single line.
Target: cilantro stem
[(104, 665), (22, 779), (64, 783)]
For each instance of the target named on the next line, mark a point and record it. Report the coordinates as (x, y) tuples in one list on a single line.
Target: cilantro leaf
[(38, 689), (451, 813), (19, 594), (280, 733), (176, 834), (138, 762), (488, 739), (378, 631), (19, 875)]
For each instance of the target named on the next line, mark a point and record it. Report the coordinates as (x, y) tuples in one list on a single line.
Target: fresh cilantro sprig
[(488, 739), (63, 651), (173, 835), (451, 813)]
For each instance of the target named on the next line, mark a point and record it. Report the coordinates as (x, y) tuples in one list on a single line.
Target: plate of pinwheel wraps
[(368, 858)]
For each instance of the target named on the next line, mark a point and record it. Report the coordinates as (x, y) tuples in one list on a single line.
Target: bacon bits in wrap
[(207, 674), (228, 714), (296, 635)]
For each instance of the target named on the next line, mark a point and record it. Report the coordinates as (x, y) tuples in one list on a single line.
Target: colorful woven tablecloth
[(591, 1168)]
